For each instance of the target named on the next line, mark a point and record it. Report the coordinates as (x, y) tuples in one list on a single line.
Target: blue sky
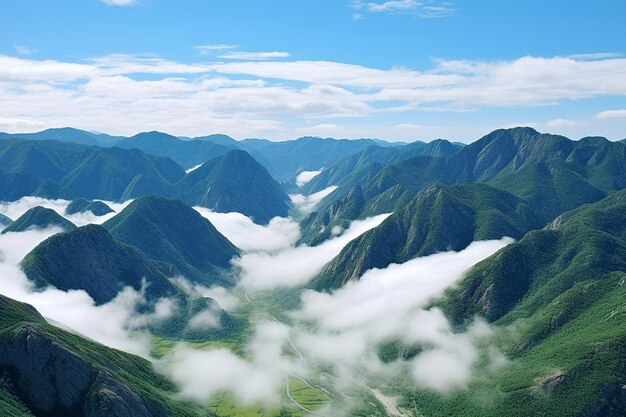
[(399, 70)]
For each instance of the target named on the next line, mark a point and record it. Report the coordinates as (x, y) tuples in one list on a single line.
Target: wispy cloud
[(254, 56), (120, 3), (596, 56), (556, 123), (23, 50), (211, 49), (407, 7), (611, 114)]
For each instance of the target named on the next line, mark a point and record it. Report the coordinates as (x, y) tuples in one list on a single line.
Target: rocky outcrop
[(53, 380)]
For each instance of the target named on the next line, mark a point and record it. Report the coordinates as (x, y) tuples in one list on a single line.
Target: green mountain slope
[(175, 234), (560, 291), (65, 170), (4, 221), (47, 371), (284, 160), (350, 169), (233, 182), (553, 173), (439, 218), (39, 218), (106, 172), (81, 205), (88, 258)]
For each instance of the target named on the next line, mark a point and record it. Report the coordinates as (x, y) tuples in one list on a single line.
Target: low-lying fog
[(341, 330)]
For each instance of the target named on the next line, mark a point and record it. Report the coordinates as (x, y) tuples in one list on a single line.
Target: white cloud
[(306, 203), (344, 328), (16, 208), (279, 99), (393, 6), (19, 69), (556, 123), (296, 266), (112, 324), (596, 56), (278, 234), (254, 56), (120, 3), (193, 168), (201, 374), (306, 176), (226, 300), (210, 49), (611, 114), (410, 7), (23, 50)]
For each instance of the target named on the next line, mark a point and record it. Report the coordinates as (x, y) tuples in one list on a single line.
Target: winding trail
[(250, 299)]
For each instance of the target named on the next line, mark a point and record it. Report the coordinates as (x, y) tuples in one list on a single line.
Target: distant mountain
[(187, 153), (284, 160), (4, 221), (552, 173), (233, 182), (352, 168), (81, 205), (39, 218), (106, 173), (439, 218), (562, 290), (47, 371), (177, 236), (64, 170), (219, 139), (66, 134)]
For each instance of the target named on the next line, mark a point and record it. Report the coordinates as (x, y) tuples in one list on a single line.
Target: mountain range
[(553, 299), (552, 173)]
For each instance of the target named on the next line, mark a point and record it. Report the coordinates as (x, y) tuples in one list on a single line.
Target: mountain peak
[(234, 181), (173, 233), (39, 218)]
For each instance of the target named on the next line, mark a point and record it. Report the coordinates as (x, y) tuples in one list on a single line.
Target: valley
[(435, 288)]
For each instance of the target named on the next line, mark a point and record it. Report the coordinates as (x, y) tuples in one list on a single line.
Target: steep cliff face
[(56, 374), (55, 381)]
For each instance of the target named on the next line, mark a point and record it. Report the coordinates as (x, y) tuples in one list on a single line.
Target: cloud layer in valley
[(296, 266), (306, 203), (390, 304), (280, 232), (343, 329), (15, 209), (306, 176), (110, 324)]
